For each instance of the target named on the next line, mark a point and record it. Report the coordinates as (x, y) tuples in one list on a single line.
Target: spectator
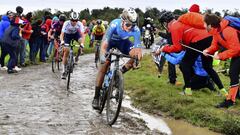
[(44, 40), (10, 41), (26, 33), (35, 41), (4, 24), (20, 50)]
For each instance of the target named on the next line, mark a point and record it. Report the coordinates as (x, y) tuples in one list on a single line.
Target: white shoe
[(17, 68), (4, 68)]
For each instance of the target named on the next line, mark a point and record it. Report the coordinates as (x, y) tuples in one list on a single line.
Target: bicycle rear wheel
[(114, 98)]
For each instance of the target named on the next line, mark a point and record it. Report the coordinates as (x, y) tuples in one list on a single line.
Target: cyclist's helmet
[(166, 16), (62, 17), (148, 18), (99, 22), (55, 19), (129, 15), (74, 16), (19, 9)]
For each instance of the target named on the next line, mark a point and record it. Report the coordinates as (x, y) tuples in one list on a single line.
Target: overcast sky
[(77, 5)]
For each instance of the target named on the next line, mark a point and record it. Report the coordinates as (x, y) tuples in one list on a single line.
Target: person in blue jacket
[(10, 40), (117, 36), (200, 78), (4, 24)]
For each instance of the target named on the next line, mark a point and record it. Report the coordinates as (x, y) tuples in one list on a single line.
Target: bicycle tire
[(103, 99), (69, 71), (97, 56), (117, 82), (59, 60), (54, 61)]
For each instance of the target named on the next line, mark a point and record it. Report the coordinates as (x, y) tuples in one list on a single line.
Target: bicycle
[(97, 53), (70, 63), (57, 56), (113, 87)]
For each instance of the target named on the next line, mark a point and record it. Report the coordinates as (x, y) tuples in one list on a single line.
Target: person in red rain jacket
[(26, 34), (196, 38), (227, 37)]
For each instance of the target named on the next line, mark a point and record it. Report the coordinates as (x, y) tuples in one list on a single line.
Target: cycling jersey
[(57, 27), (98, 30), (116, 33), (69, 29)]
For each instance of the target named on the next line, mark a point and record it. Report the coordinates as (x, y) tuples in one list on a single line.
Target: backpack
[(233, 22), (192, 19)]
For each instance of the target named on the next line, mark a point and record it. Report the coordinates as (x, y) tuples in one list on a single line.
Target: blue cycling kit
[(117, 37)]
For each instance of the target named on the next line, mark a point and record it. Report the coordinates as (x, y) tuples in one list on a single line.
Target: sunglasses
[(74, 20), (127, 24)]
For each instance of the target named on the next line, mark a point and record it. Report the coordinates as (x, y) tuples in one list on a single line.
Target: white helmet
[(74, 16), (129, 15)]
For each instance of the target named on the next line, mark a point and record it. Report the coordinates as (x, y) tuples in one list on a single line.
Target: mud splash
[(153, 123)]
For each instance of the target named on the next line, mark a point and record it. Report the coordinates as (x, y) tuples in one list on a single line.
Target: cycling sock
[(97, 92)]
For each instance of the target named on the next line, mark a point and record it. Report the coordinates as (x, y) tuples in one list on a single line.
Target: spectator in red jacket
[(26, 34), (196, 38), (228, 37)]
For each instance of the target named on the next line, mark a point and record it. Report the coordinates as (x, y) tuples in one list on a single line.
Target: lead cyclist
[(71, 30), (117, 36)]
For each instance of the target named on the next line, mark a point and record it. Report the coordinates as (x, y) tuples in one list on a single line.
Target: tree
[(85, 14)]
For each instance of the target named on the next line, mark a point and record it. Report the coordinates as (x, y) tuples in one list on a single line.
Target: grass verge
[(155, 95)]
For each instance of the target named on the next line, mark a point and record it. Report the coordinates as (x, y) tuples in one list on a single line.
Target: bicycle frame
[(70, 63)]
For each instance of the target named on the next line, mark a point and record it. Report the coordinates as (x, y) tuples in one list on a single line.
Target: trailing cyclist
[(226, 35), (117, 36), (71, 30), (55, 31), (97, 32), (195, 38)]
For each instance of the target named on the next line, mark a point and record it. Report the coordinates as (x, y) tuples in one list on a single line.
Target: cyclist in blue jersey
[(71, 30), (117, 36)]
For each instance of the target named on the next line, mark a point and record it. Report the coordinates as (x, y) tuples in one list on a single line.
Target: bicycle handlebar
[(118, 54)]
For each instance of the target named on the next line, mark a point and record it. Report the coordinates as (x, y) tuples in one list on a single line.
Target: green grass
[(154, 94)]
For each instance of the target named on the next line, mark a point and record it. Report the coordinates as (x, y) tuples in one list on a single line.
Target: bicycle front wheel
[(114, 98), (97, 56), (103, 98), (69, 71)]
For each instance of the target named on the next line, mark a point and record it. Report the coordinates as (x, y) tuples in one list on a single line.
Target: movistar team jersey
[(115, 32), (69, 29)]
